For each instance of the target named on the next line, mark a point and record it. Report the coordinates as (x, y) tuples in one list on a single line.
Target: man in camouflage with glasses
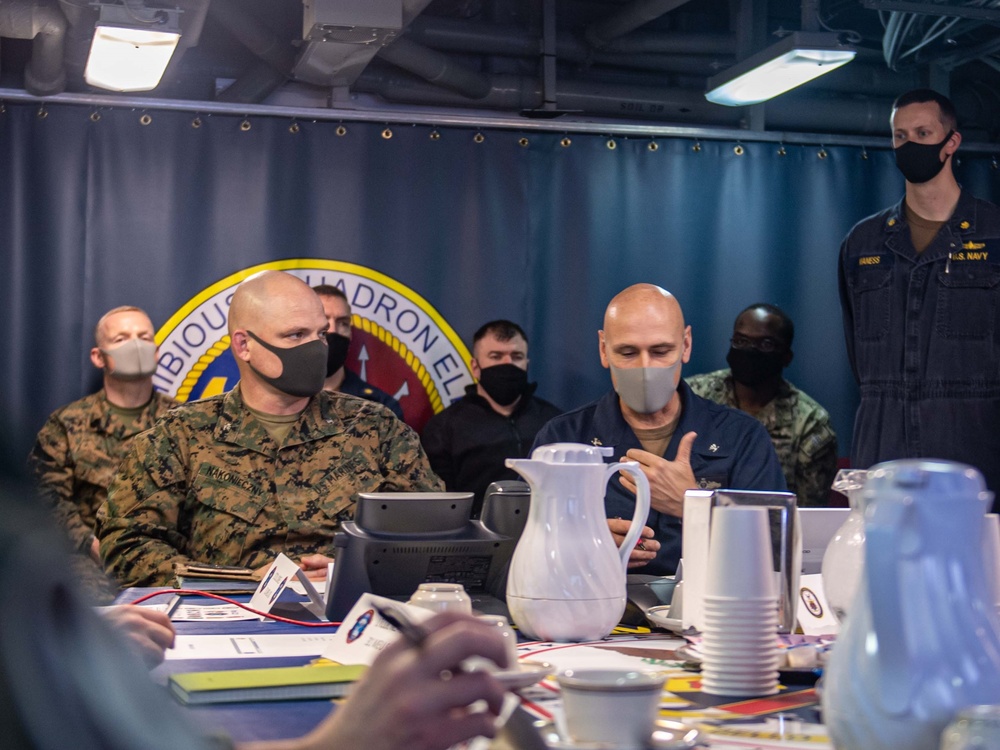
[(799, 427)]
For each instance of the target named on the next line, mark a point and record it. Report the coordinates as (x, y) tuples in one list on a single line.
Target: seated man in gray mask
[(79, 448), (680, 440)]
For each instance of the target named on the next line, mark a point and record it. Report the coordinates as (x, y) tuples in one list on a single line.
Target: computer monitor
[(399, 540), (818, 527)]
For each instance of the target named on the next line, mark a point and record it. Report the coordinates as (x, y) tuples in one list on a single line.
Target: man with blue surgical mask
[(680, 440), (80, 446)]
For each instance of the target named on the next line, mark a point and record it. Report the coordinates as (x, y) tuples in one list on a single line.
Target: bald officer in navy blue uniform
[(680, 440)]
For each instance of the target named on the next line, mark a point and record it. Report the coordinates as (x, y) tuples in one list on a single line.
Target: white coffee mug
[(610, 705), (442, 597)]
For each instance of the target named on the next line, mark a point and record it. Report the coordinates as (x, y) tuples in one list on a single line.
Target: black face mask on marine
[(752, 367), (336, 353), (503, 383), (921, 162), (302, 367)]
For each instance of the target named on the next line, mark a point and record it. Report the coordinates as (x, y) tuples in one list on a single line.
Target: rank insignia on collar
[(964, 225), (713, 447), (892, 222), (596, 441)]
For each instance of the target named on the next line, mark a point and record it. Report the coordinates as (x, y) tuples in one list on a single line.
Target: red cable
[(193, 592)]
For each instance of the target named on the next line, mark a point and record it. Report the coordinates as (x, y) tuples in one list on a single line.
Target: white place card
[(814, 613), (364, 633), (282, 570)]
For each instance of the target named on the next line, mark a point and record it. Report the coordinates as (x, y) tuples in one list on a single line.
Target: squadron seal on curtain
[(400, 344)]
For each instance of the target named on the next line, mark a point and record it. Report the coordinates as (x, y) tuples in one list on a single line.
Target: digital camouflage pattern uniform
[(209, 484), (799, 428), (74, 459)]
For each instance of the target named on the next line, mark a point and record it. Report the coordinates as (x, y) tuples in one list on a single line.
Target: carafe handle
[(886, 523), (641, 505)]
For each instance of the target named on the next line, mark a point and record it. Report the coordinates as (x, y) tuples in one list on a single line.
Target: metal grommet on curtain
[(42, 113), (653, 146), (523, 142), (3, 108), (696, 147), (993, 163), (479, 138), (738, 149), (611, 144), (781, 150), (145, 119), (822, 154), (435, 135), (95, 116), (196, 123), (864, 154), (566, 142), (294, 128), (387, 134), (245, 125), (341, 130)]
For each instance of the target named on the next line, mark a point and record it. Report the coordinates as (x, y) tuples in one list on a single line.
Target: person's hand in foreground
[(416, 697), (315, 566), (645, 549), (148, 632)]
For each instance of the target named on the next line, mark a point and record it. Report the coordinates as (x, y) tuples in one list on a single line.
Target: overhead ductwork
[(437, 68), (46, 25)]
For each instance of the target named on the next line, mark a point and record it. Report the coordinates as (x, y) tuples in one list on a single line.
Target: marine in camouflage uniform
[(77, 453), (799, 428), (209, 485), (81, 445)]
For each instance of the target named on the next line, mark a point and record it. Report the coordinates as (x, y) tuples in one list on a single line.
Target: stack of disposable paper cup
[(740, 637)]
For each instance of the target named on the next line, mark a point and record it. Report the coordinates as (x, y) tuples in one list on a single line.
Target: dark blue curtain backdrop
[(98, 209)]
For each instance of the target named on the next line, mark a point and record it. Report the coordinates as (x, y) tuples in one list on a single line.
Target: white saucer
[(658, 616), (527, 674), (668, 735)]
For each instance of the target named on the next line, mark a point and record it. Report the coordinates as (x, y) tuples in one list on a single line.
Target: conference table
[(789, 719)]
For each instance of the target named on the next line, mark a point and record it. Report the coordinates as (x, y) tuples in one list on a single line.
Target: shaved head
[(259, 298), (270, 312), (102, 334), (640, 299), (644, 328)]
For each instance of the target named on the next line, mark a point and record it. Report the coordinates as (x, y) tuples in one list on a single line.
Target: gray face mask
[(646, 390), (133, 359)]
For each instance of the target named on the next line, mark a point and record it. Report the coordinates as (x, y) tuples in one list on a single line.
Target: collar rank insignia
[(713, 447)]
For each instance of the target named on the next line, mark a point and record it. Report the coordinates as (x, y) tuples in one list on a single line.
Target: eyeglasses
[(766, 344)]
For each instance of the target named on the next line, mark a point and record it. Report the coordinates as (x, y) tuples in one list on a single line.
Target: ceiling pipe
[(449, 35), (277, 55), (45, 24), (665, 105), (436, 68), (688, 53), (629, 18)]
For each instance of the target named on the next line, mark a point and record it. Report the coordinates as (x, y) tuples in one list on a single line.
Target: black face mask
[(336, 353), (921, 162), (302, 367), (503, 383), (752, 367)]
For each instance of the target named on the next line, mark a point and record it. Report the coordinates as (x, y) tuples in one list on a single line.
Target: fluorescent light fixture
[(128, 54), (796, 59)]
